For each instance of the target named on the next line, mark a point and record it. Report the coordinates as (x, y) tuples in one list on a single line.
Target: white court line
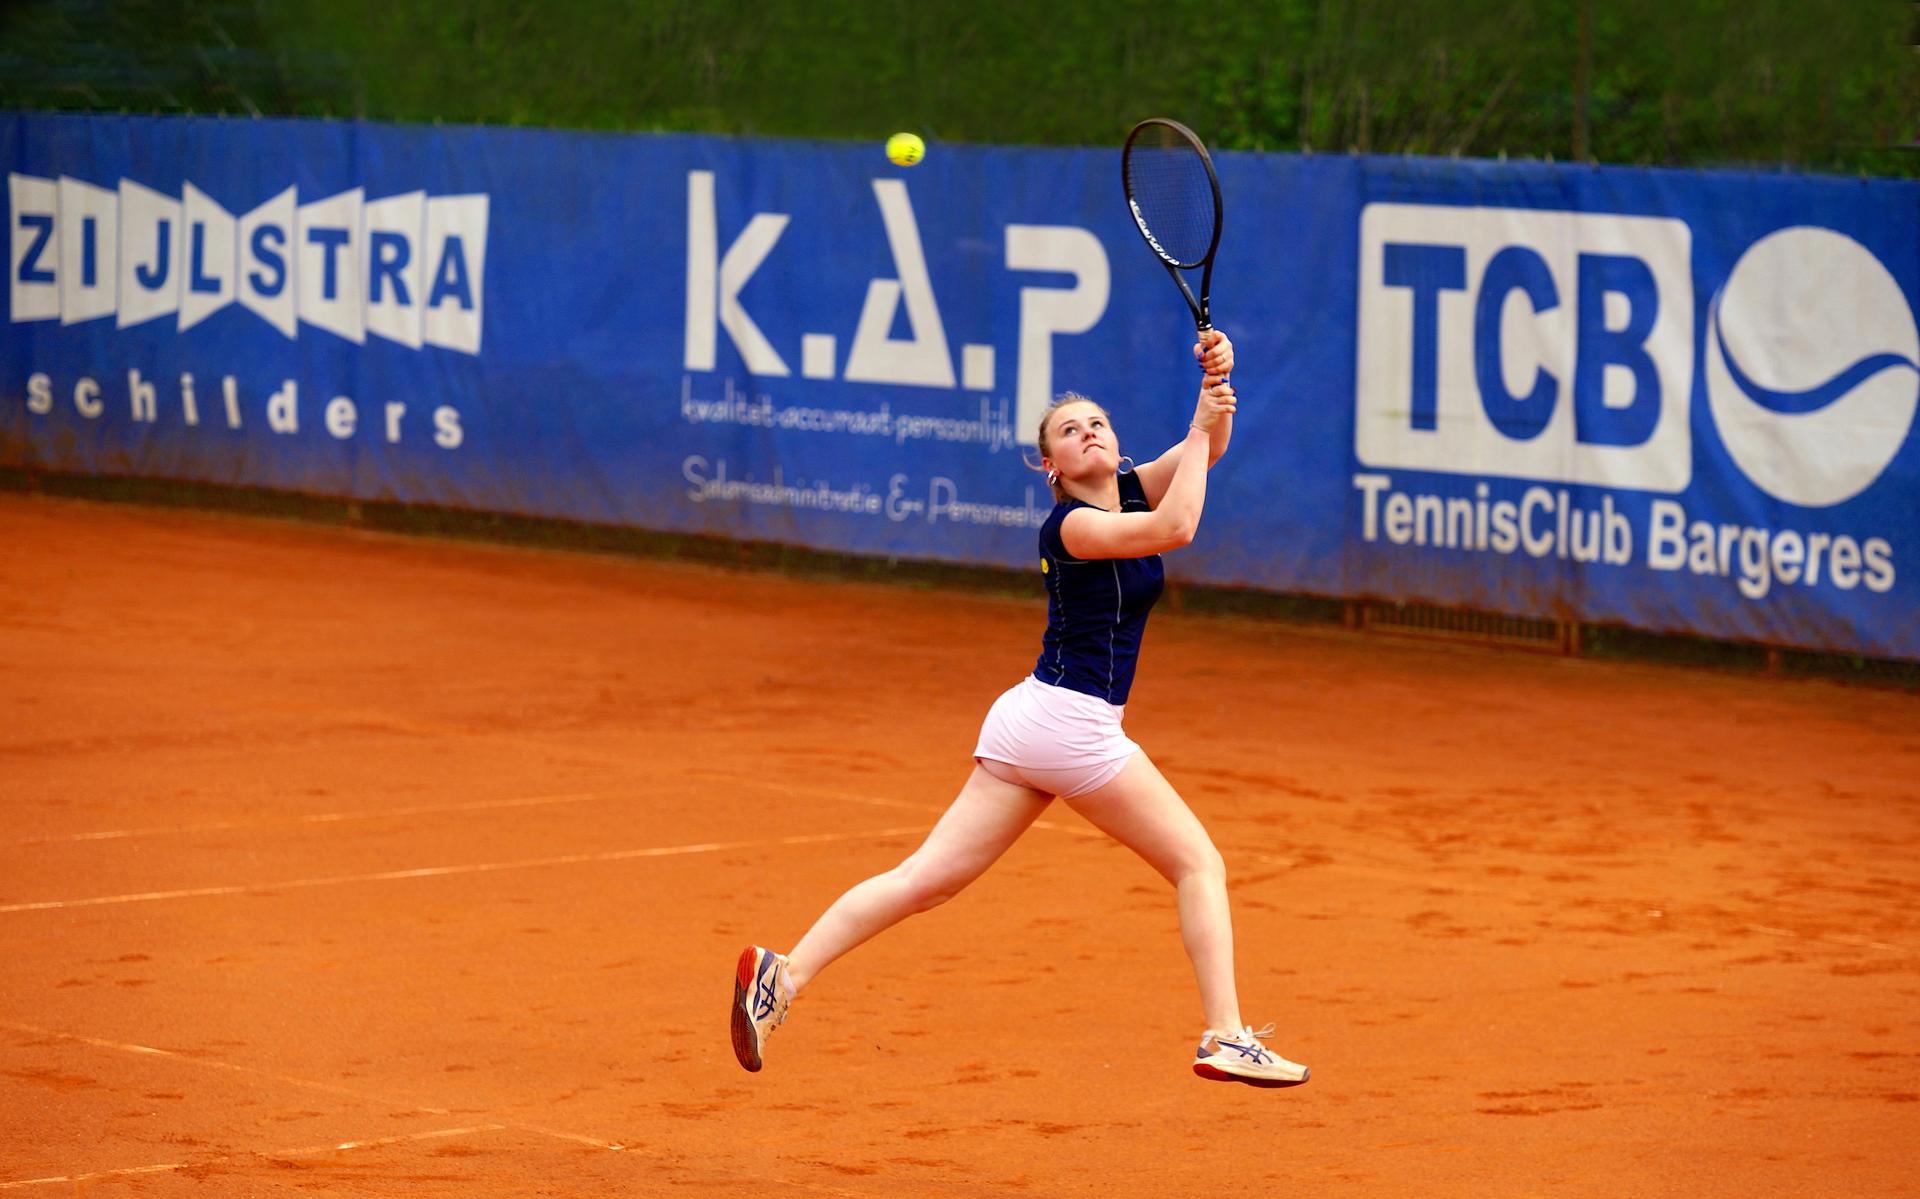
[(517, 1125), (309, 1151), (572, 859), (376, 1142), (212, 1064), (214, 826), (79, 1178), (1395, 874)]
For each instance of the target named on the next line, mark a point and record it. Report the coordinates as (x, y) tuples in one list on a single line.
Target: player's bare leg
[(984, 819), (1143, 812)]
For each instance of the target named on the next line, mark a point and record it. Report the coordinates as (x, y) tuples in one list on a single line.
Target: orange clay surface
[(340, 863)]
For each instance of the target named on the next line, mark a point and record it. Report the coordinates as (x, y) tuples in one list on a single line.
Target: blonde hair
[(1065, 398)]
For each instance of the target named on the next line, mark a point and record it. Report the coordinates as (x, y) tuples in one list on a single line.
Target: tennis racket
[(1174, 197)]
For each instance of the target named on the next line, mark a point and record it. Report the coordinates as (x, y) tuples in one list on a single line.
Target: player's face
[(1081, 442)]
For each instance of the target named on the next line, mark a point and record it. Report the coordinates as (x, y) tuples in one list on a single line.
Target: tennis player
[(1058, 732)]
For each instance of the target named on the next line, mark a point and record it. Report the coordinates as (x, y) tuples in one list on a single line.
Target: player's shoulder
[(1052, 536)]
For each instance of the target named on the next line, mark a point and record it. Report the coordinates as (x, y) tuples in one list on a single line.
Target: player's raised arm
[(1094, 533), (1215, 354)]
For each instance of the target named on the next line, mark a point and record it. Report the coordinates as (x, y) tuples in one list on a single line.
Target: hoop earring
[(1126, 464), (1053, 477)]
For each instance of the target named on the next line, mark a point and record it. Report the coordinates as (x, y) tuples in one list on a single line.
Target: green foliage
[(1681, 82), (1771, 83)]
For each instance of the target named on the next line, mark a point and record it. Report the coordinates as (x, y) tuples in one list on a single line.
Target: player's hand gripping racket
[(1175, 200)]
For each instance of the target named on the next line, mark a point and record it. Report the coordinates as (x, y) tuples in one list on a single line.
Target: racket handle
[(1201, 329)]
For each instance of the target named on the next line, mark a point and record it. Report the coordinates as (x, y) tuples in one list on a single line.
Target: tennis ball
[(905, 149)]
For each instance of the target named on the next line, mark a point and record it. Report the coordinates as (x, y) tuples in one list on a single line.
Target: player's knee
[(927, 887), (929, 900), (1207, 864)]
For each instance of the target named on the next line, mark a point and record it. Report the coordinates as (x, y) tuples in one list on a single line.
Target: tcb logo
[(1526, 343), (1812, 358), (1559, 346)]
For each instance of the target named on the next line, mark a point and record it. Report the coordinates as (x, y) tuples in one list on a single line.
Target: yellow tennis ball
[(905, 149)]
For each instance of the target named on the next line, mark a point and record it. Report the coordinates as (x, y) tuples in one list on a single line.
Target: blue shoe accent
[(763, 986), (1255, 1051)]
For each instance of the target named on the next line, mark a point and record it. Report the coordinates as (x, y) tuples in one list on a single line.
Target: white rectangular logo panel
[(455, 264), (89, 250), (209, 282), (264, 246), (1525, 343), (395, 269), (33, 255), (150, 254), (328, 278)]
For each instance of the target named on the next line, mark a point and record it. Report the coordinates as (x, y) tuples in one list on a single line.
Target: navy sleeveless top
[(1096, 608)]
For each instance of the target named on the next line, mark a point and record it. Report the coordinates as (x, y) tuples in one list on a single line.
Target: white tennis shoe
[(761, 996), (1240, 1057)]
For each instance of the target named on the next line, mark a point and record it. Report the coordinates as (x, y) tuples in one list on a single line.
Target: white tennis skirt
[(1053, 739)]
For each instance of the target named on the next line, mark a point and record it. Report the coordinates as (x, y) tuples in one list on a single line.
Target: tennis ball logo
[(1813, 366), (905, 149)]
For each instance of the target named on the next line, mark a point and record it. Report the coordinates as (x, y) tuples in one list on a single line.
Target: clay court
[(346, 863)]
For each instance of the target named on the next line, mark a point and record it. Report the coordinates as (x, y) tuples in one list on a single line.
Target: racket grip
[(1228, 378), (1201, 330)]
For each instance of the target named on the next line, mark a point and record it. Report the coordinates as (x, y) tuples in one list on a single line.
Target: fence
[(1674, 401)]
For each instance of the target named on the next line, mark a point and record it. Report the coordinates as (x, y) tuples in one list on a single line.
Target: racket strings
[(1172, 195)]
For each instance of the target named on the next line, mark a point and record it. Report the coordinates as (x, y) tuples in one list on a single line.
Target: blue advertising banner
[(1678, 401)]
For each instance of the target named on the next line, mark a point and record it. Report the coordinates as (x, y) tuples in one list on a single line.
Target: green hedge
[(1794, 84)]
